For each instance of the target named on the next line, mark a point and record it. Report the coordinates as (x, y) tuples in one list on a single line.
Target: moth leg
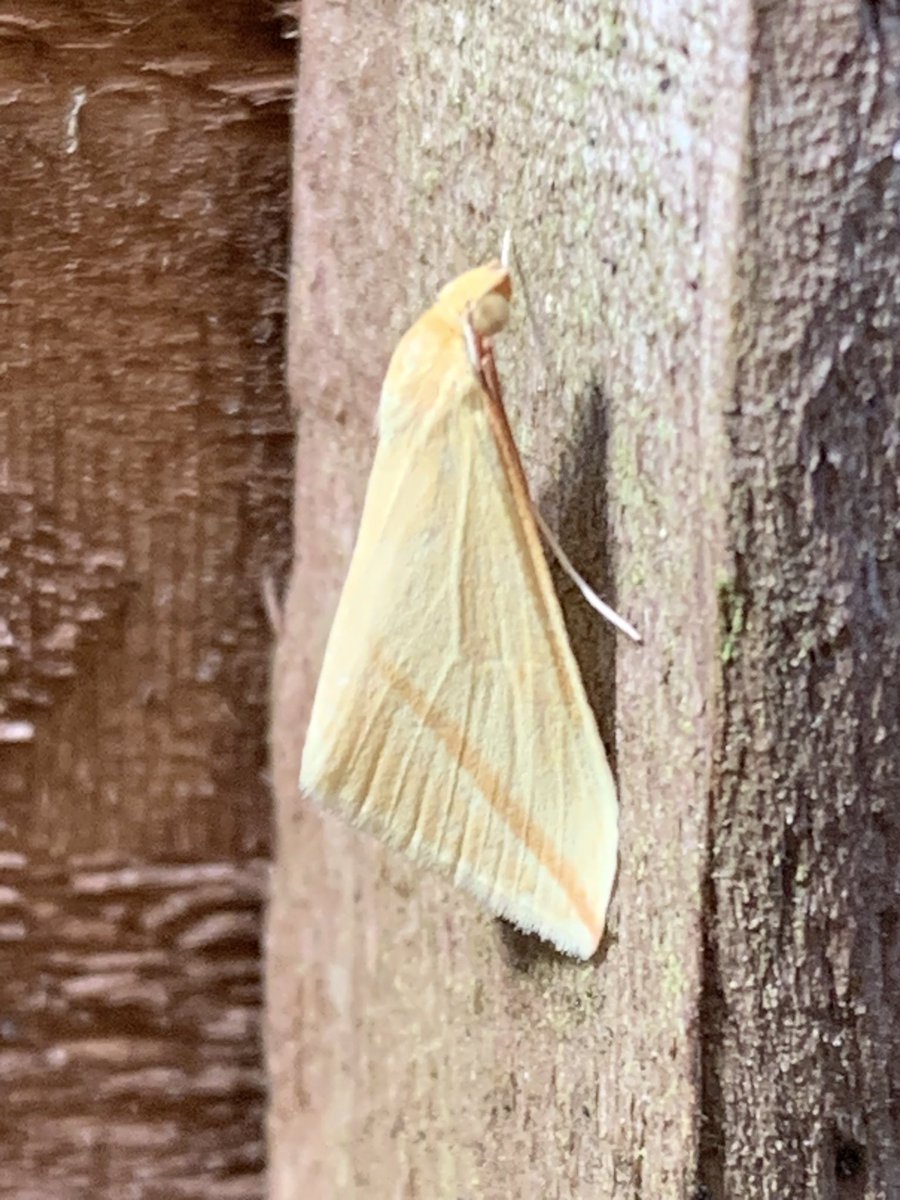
[(489, 375), (481, 357), (477, 350)]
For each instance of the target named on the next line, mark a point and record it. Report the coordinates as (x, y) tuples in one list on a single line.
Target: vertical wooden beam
[(706, 200), (417, 1047), (801, 1011), (145, 452)]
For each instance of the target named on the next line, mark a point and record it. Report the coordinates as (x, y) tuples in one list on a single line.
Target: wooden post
[(800, 1011), (704, 197), (145, 452)]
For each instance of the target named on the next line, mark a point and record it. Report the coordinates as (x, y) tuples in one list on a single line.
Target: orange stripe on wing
[(488, 782)]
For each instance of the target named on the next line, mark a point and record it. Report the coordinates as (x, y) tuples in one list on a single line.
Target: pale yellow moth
[(450, 718)]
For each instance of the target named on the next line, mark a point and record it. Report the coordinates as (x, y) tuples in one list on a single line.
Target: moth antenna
[(583, 586), (475, 352), (534, 328), (505, 247)]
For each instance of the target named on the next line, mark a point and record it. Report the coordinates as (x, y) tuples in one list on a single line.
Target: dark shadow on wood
[(580, 499), (524, 951)]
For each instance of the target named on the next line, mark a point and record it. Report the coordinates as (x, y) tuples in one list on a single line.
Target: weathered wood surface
[(418, 1049), (801, 1012), (145, 451), (705, 199)]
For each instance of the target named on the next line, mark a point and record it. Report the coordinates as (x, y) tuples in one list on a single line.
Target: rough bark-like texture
[(802, 1005), (419, 1049), (145, 453)]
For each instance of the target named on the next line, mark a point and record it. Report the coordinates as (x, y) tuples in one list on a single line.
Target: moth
[(450, 719)]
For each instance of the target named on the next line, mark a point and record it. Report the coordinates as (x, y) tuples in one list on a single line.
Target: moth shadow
[(524, 952), (577, 502), (576, 509)]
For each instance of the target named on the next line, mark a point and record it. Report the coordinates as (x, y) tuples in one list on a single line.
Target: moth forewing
[(450, 719)]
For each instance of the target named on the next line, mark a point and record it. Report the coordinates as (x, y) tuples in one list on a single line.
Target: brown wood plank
[(145, 451), (420, 1049), (705, 196), (801, 1010)]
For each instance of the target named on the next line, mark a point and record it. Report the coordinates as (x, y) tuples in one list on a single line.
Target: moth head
[(480, 296)]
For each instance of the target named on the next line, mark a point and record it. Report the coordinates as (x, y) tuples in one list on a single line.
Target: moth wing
[(450, 718)]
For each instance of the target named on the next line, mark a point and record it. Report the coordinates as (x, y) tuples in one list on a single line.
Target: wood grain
[(145, 451), (417, 1048), (801, 1009), (704, 197)]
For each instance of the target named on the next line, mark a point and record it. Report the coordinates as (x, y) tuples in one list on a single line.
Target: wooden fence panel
[(145, 451)]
